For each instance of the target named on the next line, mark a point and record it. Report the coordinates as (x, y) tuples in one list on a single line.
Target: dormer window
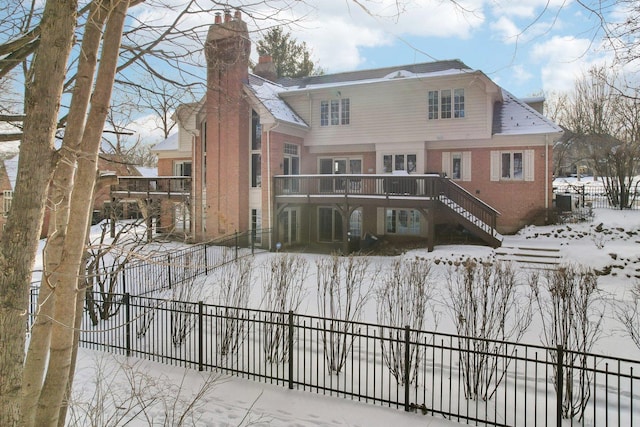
[(335, 112), (445, 104)]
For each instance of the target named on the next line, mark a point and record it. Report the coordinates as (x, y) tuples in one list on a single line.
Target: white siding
[(395, 111)]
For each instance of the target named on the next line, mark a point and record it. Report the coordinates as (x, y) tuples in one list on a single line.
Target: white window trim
[(528, 165), (447, 164), (341, 118), (452, 106)]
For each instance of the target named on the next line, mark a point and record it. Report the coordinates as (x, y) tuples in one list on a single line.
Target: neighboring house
[(8, 174), (110, 166), (175, 159), (397, 151)]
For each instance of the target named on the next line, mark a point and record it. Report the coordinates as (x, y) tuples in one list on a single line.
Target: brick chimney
[(228, 115), (265, 68)]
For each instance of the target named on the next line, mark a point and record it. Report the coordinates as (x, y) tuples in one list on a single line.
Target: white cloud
[(338, 29), (506, 30), (147, 129), (563, 60), (526, 8)]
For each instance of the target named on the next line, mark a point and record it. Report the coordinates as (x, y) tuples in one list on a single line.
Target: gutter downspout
[(546, 173)]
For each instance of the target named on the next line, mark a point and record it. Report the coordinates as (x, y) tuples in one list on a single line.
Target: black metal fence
[(157, 271), (574, 196), (455, 377)]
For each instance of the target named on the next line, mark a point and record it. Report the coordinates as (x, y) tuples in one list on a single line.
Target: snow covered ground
[(610, 244)]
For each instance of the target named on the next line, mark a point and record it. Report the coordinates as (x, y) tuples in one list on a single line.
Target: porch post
[(431, 230), (345, 228)]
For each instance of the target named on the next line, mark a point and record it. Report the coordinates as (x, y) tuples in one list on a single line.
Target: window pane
[(325, 224), (256, 131), (387, 165), (391, 221), (256, 172), (345, 114), (355, 166), (456, 166), (432, 104), (324, 113), (399, 166), (411, 162), (445, 103), (335, 112), (506, 165), (291, 149), (517, 165), (458, 103)]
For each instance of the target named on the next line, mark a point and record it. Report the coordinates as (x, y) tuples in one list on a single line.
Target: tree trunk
[(19, 247), (58, 372), (61, 185)]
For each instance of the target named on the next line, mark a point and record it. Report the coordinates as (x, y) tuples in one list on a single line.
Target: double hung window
[(335, 112)]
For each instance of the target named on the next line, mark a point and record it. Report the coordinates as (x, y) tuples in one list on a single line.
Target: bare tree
[(487, 311), (283, 285), (109, 402), (602, 129), (402, 301), (235, 282), (570, 308), (17, 256), (105, 266), (341, 299), (629, 315), (184, 309)]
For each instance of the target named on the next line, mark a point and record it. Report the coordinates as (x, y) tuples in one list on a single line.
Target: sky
[(526, 46), (529, 47)]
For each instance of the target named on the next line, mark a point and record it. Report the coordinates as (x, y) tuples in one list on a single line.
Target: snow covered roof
[(169, 144), (513, 116), (147, 172), (268, 94), (11, 165), (432, 69)]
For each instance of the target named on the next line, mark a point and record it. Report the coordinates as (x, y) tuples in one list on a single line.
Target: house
[(400, 151), (110, 166), (8, 174)]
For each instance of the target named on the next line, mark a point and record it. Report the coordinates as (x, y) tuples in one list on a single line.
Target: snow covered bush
[(283, 285), (402, 300), (234, 295), (184, 310), (629, 314), (341, 298), (571, 310), (486, 309)]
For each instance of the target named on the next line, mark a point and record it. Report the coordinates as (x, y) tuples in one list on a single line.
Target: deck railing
[(419, 187), (134, 186)]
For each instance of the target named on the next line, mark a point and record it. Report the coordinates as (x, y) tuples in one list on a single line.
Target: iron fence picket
[(233, 340)]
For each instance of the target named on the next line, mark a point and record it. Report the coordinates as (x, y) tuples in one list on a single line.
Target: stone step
[(532, 257)]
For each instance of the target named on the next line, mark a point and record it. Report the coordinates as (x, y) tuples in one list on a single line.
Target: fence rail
[(460, 378), (594, 196), (159, 271)]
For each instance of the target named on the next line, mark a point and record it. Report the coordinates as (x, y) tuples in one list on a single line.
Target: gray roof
[(513, 116), (373, 74)]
